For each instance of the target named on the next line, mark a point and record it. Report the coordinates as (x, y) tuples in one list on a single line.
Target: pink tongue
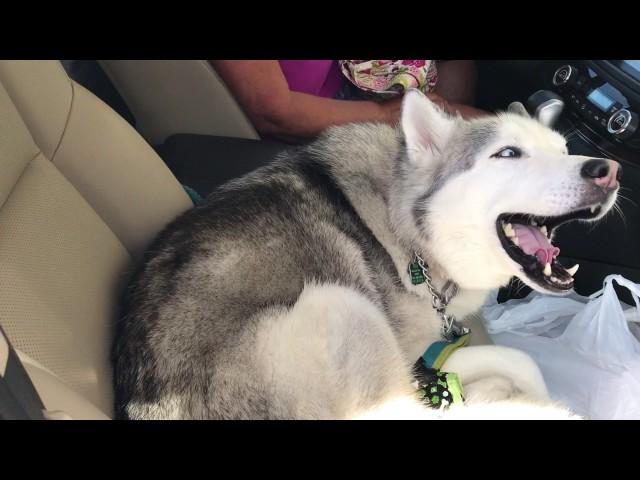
[(533, 242)]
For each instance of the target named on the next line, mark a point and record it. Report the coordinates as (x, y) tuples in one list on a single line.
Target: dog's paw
[(490, 389), (517, 372), (516, 408)]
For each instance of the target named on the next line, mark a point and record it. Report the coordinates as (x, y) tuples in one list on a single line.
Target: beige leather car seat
[(81, 195), (168, 97)]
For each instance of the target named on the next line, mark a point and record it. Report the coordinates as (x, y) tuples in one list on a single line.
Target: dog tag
[(416, 273)]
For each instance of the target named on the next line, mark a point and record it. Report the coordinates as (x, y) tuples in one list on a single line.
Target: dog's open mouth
[(527, 240)]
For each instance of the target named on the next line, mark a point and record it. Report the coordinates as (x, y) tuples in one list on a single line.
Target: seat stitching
[(66, 123)]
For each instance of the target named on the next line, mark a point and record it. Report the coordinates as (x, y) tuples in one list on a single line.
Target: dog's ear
[(518, 108), (425, 126)]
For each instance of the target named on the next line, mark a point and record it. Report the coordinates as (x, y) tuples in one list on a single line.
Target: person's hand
[(439, 101), (391, 110), (467, 112)]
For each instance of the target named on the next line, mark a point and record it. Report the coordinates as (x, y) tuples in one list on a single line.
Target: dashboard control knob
[(563, 75), (622, 123)]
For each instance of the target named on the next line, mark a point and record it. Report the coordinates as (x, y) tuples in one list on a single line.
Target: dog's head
[(484, 197)]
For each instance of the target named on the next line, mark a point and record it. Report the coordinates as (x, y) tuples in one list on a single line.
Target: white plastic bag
[(588, 355)]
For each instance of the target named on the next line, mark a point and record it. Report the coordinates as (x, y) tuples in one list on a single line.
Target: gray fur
[(192, 307), (460, 155), (518, 108)]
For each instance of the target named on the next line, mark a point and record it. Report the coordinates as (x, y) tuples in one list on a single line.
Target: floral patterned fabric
[(390, 78)]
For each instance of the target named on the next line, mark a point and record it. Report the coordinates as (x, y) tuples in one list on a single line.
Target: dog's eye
[(508, 152)]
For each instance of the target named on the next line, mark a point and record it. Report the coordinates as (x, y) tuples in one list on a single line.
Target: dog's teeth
[(515, 241), (508, 230), (572, 271), (543, 229), (547, 269), (593, 209)]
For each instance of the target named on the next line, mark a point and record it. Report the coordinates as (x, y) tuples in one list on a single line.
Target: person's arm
[(262, 91)]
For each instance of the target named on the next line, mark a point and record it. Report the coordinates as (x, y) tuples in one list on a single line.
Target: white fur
[(332, 325), (424, 126), (479, 362)]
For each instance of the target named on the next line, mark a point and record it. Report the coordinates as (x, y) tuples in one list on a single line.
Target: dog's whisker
[(622, 197), (619, 211), (520, 285)]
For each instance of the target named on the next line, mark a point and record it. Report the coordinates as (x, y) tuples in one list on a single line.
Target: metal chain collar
[(439, 301)]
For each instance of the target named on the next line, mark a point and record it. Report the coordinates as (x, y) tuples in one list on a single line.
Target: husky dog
[(286, 295)]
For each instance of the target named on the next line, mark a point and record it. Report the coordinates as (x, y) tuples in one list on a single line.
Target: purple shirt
[(322, 78)]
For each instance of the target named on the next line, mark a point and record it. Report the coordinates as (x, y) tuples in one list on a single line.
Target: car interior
[(97, 156)]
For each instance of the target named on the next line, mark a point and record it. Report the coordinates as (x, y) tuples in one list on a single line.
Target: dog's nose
[(604, 173)]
